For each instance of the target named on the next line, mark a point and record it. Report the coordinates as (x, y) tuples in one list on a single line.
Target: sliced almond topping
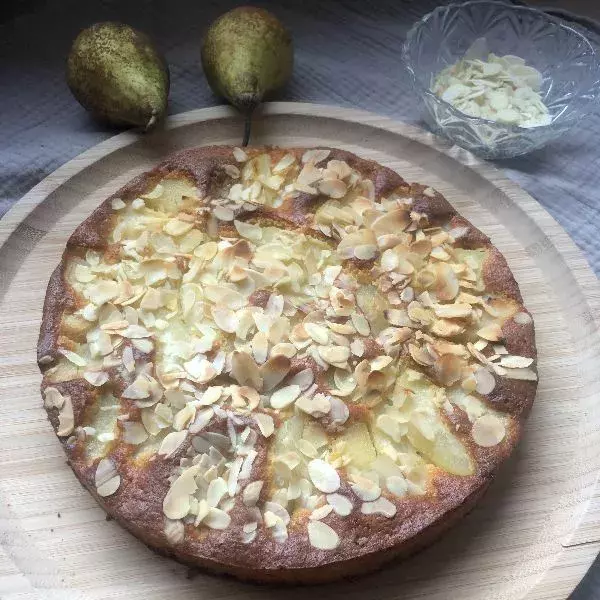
[(319, 333), (217, 488), (217, 519), (53, 398), (341, 504), (245, 370), (274, 371), (66, 418), (251, 493), (96, 378), (381, 506), (488, 430), (321, 512), (452, 311), (106, 479), (515, 362), (522, 318), (240, 155), (171, 443), (265, 424), (334, 188), (177, 502), (134, 433), (174, 531), (285, 396), (522, 374), (322, 536), (315, 156), (334, 355), (485, 381), (492, 332), (397, 485), (324, 476)]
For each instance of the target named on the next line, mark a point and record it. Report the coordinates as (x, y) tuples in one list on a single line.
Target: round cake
[(289, 365)]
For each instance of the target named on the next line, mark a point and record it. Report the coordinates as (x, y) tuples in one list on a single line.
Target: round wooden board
[(534, 534)]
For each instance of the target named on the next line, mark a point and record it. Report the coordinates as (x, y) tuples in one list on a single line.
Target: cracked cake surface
[(285, 364)]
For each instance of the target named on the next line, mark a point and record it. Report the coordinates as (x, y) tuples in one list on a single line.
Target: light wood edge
[(576, 558)]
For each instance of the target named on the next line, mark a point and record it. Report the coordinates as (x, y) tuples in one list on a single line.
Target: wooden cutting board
[(534, 534)]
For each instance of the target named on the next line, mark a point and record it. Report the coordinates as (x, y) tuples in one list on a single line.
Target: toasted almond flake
[(251, 493), (381, 506), (274, 371), (365, 251), (522, 374), (324, 476), (485, 381), (175, 227), (117, 204), (260, 347), (172, 443), (488, 430), (239, 155), (203, 418), (319, 333), (217, 488), (211, 395), (522, 318), (134, 433), (73, 357), (96, 378), (315, 156), (200, 369), (491, 333), (128, 360), (318, 405), (217, 519), (396, 485), (515, 362), (307, 448), (480, 345), (245, 370), (321, 512), (106, 478), (177, 502), (285, 396), (334, 354), (357, 347), (341, 504), (225, 319), (303, 379), (452, 311), (366, 490), (321, 536), (53, 398), (66, 418), (284, 349), (265, 424)]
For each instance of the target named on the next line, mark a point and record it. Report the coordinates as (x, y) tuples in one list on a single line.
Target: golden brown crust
[(366, 543)]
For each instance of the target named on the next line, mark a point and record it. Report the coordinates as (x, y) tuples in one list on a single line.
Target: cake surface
[(289, 365)]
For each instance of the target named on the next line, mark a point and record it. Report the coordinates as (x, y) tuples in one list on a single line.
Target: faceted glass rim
[(442, 11)]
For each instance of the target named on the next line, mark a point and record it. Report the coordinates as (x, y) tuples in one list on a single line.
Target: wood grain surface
[(534, 534)]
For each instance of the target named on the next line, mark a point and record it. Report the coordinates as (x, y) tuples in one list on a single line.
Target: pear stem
[(247, 128)]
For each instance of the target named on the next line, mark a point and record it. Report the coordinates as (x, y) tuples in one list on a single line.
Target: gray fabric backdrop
[(347, 53)]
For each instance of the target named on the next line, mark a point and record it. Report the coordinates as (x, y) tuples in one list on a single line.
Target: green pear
[(247, 54), (117, 74)]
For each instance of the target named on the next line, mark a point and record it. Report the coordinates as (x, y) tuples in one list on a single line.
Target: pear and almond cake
[(287, 365)]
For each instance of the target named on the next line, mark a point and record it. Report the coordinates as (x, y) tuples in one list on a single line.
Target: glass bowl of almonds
[(501, 80)]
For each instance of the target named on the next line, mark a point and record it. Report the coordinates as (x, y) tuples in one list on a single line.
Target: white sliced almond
[(285, 396), (265, 423), (324, 476), (381, 506), (341, 504), (488, 430), (321, 536)]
